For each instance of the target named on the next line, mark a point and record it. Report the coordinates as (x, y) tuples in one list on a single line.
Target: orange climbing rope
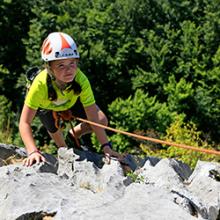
[(207, 151)]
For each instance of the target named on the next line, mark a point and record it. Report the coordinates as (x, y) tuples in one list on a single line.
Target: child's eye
[(73, 63), (61, 66)]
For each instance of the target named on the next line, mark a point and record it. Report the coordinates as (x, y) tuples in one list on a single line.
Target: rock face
[(77, 185)]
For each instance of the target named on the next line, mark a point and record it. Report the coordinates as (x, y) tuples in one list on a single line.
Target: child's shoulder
[(80, 76)]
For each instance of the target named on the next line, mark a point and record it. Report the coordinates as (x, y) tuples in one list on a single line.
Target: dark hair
[(52, 95)]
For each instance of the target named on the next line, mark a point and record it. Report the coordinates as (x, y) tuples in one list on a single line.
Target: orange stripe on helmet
[(47, 47), (65, 44), (44, 43)]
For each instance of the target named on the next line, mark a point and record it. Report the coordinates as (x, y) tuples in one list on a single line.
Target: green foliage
[(8, 125), (163, 55), (3, 73), (179, 94), (138, 113), (14, 25), (49, 149), (6, 120), (207, 98), (135, 177), (186, 133)]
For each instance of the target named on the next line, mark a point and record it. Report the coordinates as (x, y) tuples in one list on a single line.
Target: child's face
[(64, 70)]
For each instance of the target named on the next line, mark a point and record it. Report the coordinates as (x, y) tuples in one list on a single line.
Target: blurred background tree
[(149, 62)]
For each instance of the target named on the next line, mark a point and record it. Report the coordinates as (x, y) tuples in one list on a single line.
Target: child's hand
[(36, 156), (111, 153)]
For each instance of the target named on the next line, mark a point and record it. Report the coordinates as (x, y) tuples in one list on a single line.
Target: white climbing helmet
[(58, 46)]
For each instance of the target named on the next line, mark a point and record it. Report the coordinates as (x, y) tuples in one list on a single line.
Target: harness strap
[(65, 116)]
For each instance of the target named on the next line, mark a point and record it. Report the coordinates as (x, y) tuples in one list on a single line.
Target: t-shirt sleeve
[(86, 95), (35, 95)]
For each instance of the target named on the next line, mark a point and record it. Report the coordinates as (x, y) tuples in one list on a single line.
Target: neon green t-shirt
[(37, 96)]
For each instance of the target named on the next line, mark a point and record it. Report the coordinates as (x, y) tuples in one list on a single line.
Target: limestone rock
[(78, 185)]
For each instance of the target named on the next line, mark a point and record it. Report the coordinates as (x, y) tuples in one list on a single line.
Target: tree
[(164, 51), (14, 25)]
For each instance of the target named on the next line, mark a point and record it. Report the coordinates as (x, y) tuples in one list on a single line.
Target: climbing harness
[(65, 116)]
